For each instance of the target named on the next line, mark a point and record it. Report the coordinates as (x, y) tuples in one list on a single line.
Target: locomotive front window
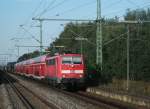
[(66, 60), (76, 60), (71, 60)]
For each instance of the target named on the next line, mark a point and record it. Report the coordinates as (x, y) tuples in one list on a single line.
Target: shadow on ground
[(4, 77)]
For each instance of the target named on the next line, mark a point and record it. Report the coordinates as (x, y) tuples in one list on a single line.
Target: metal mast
[(41, 34), (41, 39), (99, 53), (128, 56), (18, 50)]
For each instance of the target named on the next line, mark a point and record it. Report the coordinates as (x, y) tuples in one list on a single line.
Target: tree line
[(114, 46)]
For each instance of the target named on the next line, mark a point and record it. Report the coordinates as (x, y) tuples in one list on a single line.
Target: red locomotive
[(60, 70)]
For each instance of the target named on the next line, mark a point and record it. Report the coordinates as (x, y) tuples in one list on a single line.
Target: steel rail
[(24, 99)]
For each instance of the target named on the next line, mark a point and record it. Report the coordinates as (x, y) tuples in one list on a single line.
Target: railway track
[(95, 100), (22, 97), (116, 104), (102, 102), (88, 100)]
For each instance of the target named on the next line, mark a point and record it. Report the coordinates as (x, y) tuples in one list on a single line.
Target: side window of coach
[(51, 62)]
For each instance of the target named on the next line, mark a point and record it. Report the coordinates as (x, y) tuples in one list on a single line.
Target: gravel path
[(4, 98)]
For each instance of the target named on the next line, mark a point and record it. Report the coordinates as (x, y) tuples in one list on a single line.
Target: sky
[(14, 13)]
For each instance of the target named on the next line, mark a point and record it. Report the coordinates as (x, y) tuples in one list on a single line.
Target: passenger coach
[(60, 70)]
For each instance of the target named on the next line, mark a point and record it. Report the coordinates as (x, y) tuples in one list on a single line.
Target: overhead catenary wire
[(133, 3), (78, 35), (119, 0), (49, 8), (33, 13), (119, 11), (105, 43), (43, 13), (30, 17), (29, 33), (118, 37), (112, 4), (46, 9), (106, 7), (77, 7), (112, 13), (85, 4)]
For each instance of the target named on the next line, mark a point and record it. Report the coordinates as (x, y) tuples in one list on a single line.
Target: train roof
[(73, 54), (42, 59), (11, 63), (33, 60)]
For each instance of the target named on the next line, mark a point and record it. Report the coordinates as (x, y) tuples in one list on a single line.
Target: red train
[(60, 70)]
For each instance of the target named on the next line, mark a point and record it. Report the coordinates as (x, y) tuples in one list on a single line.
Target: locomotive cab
[(72, 69), (67, 69)]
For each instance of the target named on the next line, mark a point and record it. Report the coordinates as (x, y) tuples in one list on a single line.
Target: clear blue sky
[(16, 12)]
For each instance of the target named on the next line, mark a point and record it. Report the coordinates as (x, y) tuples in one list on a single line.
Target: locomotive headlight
[(64, 76), (72, 71), (78, 71), (65, 71), (81, 76)]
